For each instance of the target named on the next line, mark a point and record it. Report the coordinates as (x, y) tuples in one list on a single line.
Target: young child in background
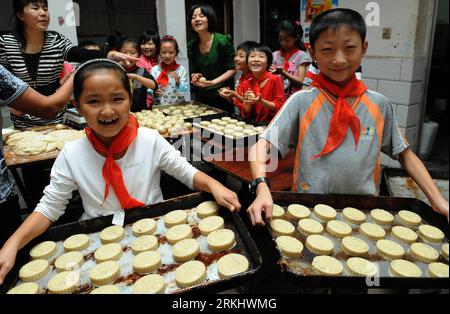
[(262, 92), (140, 79), (149, 45), (291, 61), (340, 127), (172, 79), (113, 41), (240, 64), (116, 167)]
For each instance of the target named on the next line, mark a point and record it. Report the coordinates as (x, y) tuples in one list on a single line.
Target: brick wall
[(402, 80)]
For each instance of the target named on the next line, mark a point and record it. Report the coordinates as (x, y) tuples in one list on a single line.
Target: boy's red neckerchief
[(343, 115)]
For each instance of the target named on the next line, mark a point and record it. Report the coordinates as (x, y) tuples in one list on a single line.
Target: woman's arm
[(34, 103), (147, 82), (416, 169), (223, 78), (77, 54), (32, 227)]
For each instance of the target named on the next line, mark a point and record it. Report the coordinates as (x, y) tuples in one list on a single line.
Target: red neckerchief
[(112, 174), (245, 76), (343, 115), (255, 84), (287, 56), (163, 78), (154, 61)]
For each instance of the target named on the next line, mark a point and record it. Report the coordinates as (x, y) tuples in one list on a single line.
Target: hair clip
[(168, 37)]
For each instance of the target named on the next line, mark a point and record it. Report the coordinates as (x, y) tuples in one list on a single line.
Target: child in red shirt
[(262, 92)]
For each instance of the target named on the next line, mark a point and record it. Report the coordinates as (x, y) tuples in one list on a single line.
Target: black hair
[(128, 40), (113, 41), (147, 36), (170, 39), (335, 19), (208, 11), (90, 67), (246, 46), (17, 26), (85, 43), (294, 30), (266, 50)]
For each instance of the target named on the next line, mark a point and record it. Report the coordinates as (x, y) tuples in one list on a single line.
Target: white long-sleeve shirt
[(79, 166)]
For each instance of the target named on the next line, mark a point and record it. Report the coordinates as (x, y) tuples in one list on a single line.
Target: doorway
[(437, 105), (272, 13)]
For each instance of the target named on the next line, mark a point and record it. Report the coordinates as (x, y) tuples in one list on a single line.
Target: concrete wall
[(63, 19), (398, 66), (172, 21), (246, 21)]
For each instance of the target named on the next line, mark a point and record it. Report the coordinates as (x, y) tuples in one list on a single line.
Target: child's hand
[(7, 260), (176, 77), (278, 70), (159, 93), (226, 197), (262, 203), (441, 206), (226, 92), (272, 68), (250, 98), (131, 76)]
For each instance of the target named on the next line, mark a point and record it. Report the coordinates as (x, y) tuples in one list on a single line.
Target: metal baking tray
[(300, 269), (219, 112), (397, 183), (223, 140), (13, 160), (245, 245)]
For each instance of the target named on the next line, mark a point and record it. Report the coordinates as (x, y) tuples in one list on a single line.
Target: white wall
[(172, 21), (246, 21), (401, 16), (398, 67), (63, 18)]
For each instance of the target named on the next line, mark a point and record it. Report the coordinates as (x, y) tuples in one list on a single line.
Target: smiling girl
[(140, 80), (171, 77), (263, 92), (116, 167)]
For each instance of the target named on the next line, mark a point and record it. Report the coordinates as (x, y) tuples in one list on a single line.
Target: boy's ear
[(20, 16), (311, 52), (365, 47), (77, 106)]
